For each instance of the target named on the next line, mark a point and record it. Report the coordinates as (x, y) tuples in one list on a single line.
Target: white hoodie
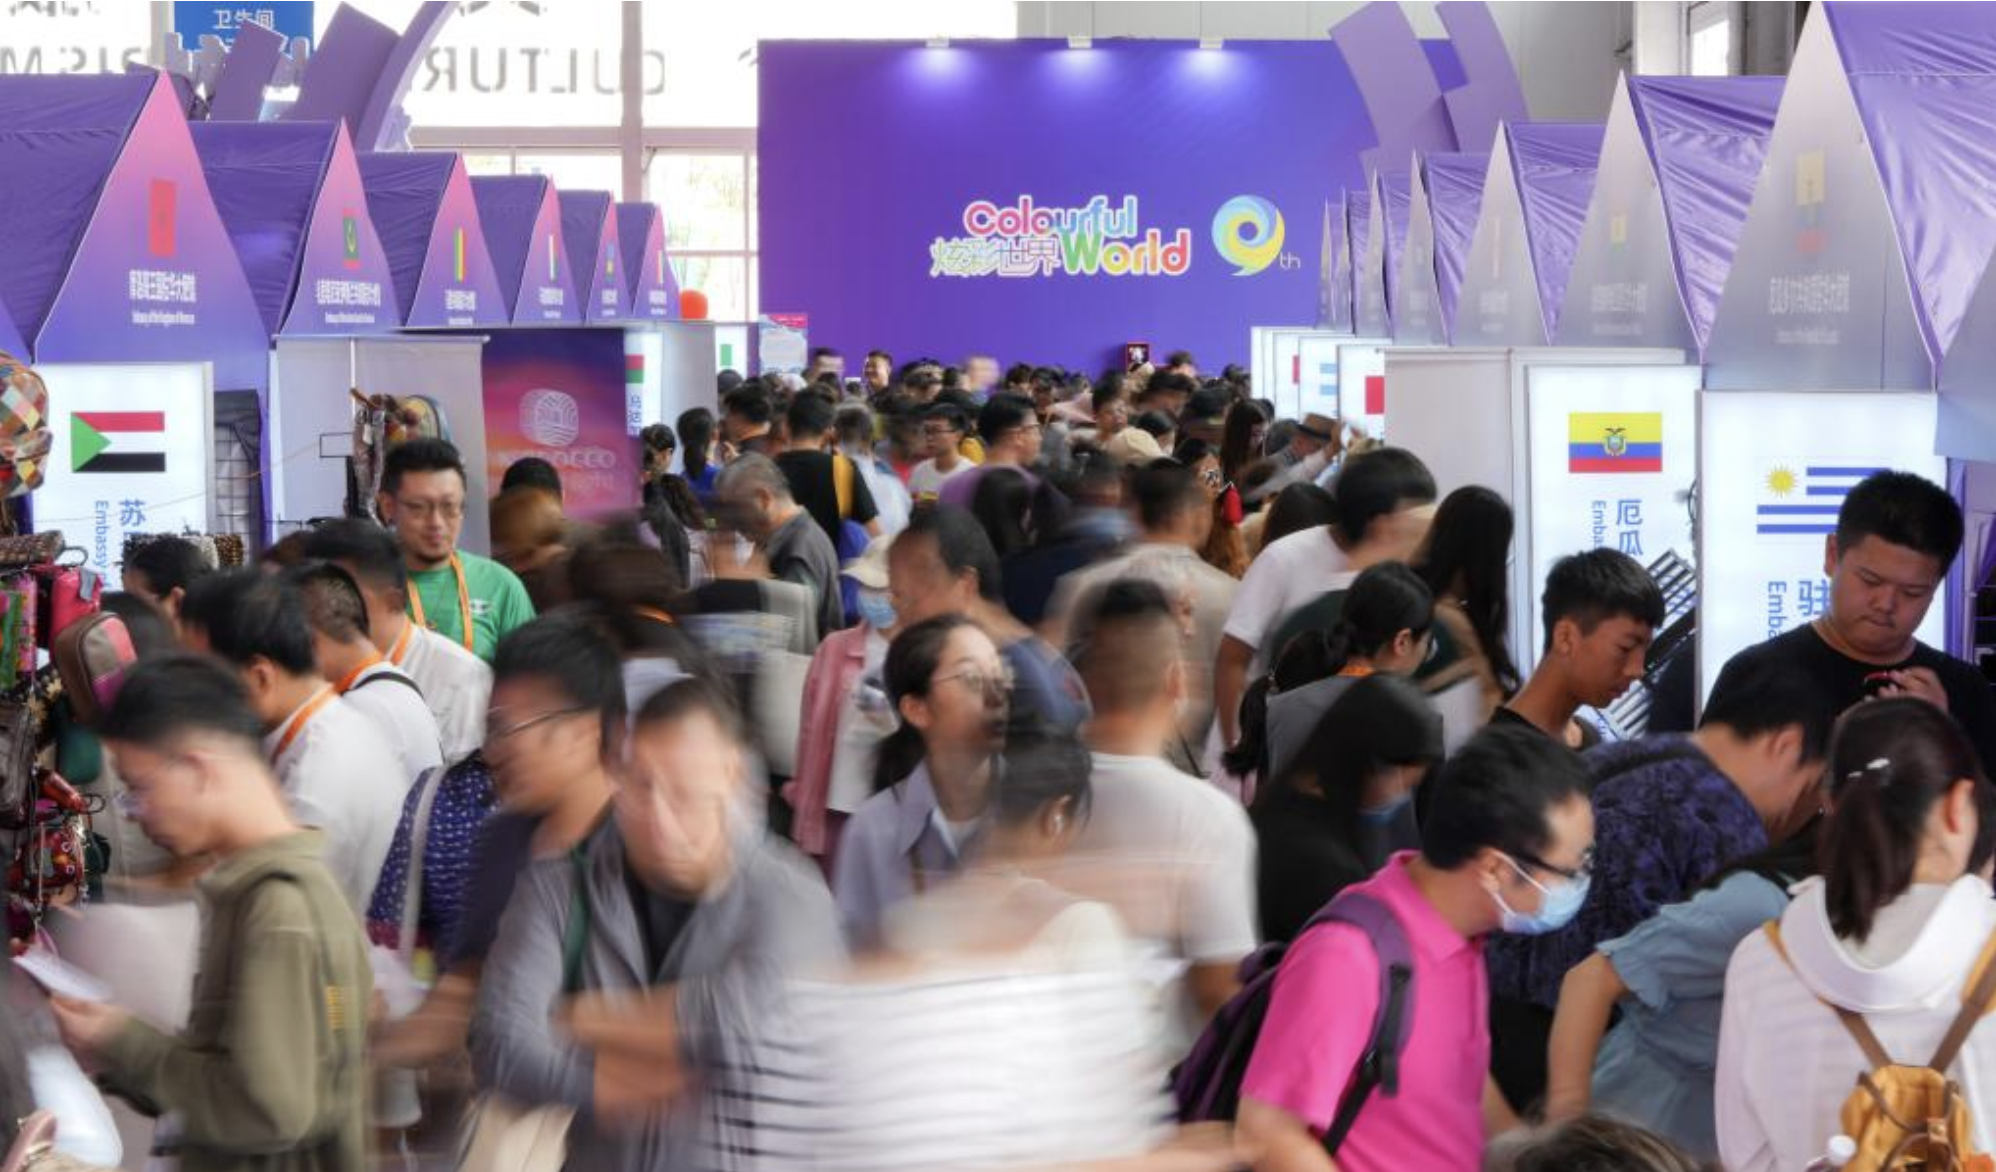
[(1786, 1064)]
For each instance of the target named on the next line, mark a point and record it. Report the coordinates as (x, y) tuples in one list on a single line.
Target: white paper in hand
[(51, 972)]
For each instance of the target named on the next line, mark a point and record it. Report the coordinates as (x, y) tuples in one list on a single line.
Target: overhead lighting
[(1081, 42), (938, 42), (1212, 42)]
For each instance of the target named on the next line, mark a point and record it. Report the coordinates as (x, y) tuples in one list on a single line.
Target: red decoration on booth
[(692, 305)]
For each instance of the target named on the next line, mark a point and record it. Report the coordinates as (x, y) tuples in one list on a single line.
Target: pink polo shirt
[(1326, 994)]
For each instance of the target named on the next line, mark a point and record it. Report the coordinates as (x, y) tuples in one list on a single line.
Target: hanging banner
[(560, 395), (119, 466)]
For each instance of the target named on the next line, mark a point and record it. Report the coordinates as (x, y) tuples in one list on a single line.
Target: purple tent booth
[(291, 196), (1334, 270), (1447, 191), (1368, 271), (1873, 218), (1534, 201), (423, 208), (11, 341), (653, 289), (1393, 192), (116, 253), (1678, 169), (589, 222), (523, 228)]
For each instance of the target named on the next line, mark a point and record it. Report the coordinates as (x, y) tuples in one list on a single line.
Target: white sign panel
[(1318, 392), (1613, 455), (133, 453), (1362, 387), (1774, 468)]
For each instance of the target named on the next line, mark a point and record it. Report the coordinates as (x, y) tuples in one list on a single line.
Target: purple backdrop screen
[(1047, 204)]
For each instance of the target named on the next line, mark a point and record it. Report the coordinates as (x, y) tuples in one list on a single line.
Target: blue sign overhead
[(291, 18)]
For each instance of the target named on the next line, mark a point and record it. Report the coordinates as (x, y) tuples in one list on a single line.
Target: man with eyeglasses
[(1010, 429), (1507, 847), (468, 599), (943, 425)]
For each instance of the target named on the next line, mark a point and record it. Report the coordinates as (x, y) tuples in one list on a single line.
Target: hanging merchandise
[(24, 427), (381, 422)]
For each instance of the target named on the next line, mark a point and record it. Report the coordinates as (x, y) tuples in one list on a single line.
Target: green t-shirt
[(499, 603)]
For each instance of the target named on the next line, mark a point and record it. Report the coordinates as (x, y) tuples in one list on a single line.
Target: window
[(1709, 36), (708, 198)]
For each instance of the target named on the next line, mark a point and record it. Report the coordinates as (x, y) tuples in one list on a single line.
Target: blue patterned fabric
[(463, 803)]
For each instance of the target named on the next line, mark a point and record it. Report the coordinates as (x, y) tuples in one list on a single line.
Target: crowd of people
[(935, 760)]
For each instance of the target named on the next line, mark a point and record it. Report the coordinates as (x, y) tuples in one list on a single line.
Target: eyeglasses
[(494, 736), (1574, 874), (978, 680), (448, 510), (1211, 476)]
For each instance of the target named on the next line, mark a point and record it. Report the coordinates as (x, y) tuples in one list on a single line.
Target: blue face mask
[(876, 610), (1556, 909), (1385, 812)]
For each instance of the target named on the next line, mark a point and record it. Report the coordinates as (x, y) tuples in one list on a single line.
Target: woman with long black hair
[(1466, 564)]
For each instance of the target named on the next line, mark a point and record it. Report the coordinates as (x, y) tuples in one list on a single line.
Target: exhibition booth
[(1535, 197)]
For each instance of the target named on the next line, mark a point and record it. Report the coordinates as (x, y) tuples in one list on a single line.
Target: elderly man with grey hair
[(753, 498)]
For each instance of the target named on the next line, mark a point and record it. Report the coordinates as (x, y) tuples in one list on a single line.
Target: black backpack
[(1207, 1085)]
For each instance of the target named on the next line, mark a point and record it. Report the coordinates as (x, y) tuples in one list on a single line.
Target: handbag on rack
[(92, 656), (503, 1136), (68, 594), (30, 549)]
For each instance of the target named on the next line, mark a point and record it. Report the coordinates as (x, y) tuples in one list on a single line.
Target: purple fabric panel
[(398, 69), (1555, 163), (1358, 210), (404, 190), (1444, 59), (264, 177), (582, 225), (1398, 189), (507, 206), (345, 65), (1455, 197), (252, 59), (1924, 76), (1707, 137), (58, 139), (10, 338), (1395, 80), (653, 291), (1491, 93)]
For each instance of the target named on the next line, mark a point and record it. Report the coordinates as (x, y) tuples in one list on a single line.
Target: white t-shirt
[(1179, 859), (927, 480), (394, 702), (1286, 575), (1786, 1063), (342, 777), (456, 684), (865, 719)]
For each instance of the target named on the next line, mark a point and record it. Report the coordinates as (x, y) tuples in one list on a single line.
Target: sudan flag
[(117, 441)]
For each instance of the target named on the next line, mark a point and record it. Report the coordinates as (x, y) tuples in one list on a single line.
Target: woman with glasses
[(933, 777), (1225, 549), (1880, 955)]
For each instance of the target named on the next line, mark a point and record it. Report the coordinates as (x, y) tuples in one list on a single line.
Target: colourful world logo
[(1248, 232)]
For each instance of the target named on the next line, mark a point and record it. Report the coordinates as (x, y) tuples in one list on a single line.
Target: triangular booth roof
[(115, 251), (422, 207), (291, 195), (1535, 197), (1368, 264), (653, 290), (1873, 218), (1334, 270), (1397, 189), (522, 216), (589, 226), (11, 341), (1448, 188), (1678, 170)]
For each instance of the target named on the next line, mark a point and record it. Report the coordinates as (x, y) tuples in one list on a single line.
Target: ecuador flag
[(1614, 442)]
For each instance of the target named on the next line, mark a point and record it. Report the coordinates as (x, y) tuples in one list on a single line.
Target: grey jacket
[(773, 919)]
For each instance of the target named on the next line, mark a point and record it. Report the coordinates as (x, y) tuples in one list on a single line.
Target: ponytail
[(1890, 762), (897, 756), (1309, 656)]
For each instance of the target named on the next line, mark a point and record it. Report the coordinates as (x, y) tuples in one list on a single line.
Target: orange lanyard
[(654, 614), (1357, 673), (298, 722), (463, 604), (402, 642), (346, 682)]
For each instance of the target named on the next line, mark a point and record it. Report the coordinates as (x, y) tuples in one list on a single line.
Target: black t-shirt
[(814, 485), (1589, 735), (1306, 858), (661, 918), (1969, 697)]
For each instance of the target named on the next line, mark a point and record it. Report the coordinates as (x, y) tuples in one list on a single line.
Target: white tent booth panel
[(678, 365), (311, 417), (1362, 391), (133, 451), (1773, 469), (1296, 367), (1467, 413)]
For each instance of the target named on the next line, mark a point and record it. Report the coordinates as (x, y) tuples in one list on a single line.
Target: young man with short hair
[(746, 413), (1601, 609), (1199, 911), (1896, 536), (877, 373), (943, 427), (1507, 846), (1010, 429), (270, 1072), (825, 483), (360, 673), (162, 570), (754, 499), (339, 773), (468, 599), (455, 683)]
